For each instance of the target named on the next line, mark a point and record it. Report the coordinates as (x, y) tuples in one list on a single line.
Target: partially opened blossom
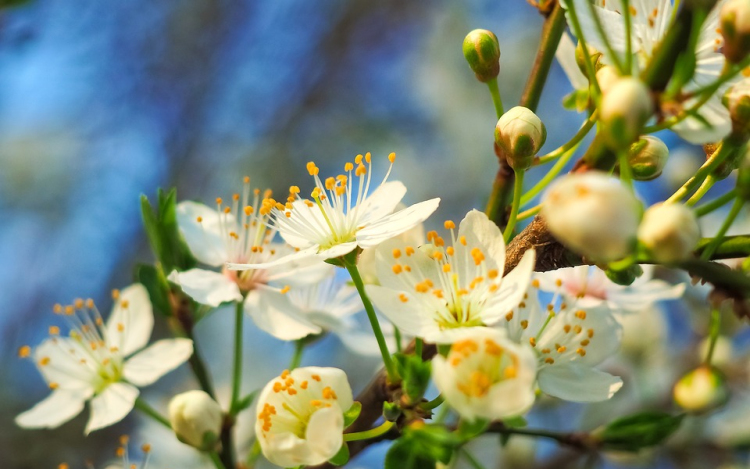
[(437, 292), (487, 376), (570, 341), (588, 286), (343, 214), (300, 416), (650, 22), (326, 306), (236, 233), (98, 361)]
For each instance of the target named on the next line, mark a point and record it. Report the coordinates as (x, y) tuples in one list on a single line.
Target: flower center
[(491, 364)]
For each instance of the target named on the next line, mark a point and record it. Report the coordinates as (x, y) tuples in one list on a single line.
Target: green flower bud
[(594, 55), (196, 419), (734, 22), (520, 134), (625, 276), (626, 106), (482, 51), (743, 177), (647, 158), (737, 100), (669, 232), (701, 390)]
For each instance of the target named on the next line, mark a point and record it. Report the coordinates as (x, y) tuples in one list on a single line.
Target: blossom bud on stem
[(520, 134), (482, 50), (647, 158), (701, 390), (196, 419), (625, 108), (669, 232)]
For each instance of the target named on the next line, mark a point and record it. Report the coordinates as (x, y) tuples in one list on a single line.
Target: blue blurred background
[(102, 101)]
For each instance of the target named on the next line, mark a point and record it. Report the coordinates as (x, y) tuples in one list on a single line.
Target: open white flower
[(588, 287), (343, 214), (236, 234), (650, 21), (438, 292), (95, 362), (570, 341), (301, 416), (487, 376)]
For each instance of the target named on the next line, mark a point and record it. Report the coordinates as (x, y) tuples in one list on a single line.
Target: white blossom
[(438, 292), (590, 287), (343, 215), (196, 419), (670, 232), (487, 376), (98, 363), (650, 21), (301, 416)]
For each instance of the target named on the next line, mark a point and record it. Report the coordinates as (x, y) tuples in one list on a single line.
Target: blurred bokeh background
[(102, 101)]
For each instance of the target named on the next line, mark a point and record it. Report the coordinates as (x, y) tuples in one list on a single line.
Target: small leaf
[(515, 422), (415, 374), (468, 430), (245, 402), (404, 455), (156, 285), (351, 415), (639, 431), (342, 457)]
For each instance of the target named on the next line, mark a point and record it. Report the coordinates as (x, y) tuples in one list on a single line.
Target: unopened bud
[(594, 55), (625, 108), (670, 232), (701, 390), (737, 100), (520, 134), (196, 419), (593, 214), (743, 177), (624, 276), (647, 158), (482, 51), (734, 22), (606, 77)]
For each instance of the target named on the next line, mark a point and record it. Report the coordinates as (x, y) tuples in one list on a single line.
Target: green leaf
[(163, 233), (415, 374), (156, 285), (422, 447), (404, 455), (515, 422), (245, 402), (468, 430), (639, 431), (351, 415), (342, 457)]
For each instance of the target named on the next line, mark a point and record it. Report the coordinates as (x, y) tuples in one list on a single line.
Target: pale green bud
[(737, 100), (701, 390), (196, 419), (594, 55), (606, 77), (647, 158), (625, 108), (482, 51), (669, 232), (520, 134), (734, 22)]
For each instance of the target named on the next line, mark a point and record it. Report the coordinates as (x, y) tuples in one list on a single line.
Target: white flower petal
[(382, 202), (578, 383), (207, 287), (302, 256), (325, 433), (410, 316), (157, 360), (337, 250), (512, 290), (132, 320), (482, 233), (396, 223), (302, 271), (56, 409), (204, 239), (566, 57), (63, 364), (285, 449), (111, 406), (275, 314)]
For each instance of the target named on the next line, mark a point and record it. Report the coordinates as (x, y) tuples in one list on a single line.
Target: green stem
[(299, 347), (605, 39), (717, 203), (552, 31), (730, 247), (371, 433), (253, 454), (530, 212), (357, 279), (397, 338), (237, 368), (708, 167), (199, 368), (474, 462), (141, 405), (590, 70), (548, 177), (628, 37), (418, 344), (626, 174), (733, 212), (497, 100), (517, 193), (429, 405), (216, 460), (573, 143), (713, 334), (707, 184)]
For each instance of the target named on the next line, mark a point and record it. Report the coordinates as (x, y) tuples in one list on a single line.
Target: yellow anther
[(409, 250), (437, 255), (524, 324), (590, 333), (360, 171), (78, 303), (246, 179), (392, 157), (316, 403), (125, 304), (493, 273), (438, 293), (235, 197), (368, 157), (294, 190), (89, 303), (561, 349), (478, 256), (558, 282), (446, 268), (492, 348), (358, 159), (312, 169), (315, 377), (585, 342), (450, 251), (267, 193), (44, 361), (581, 352), (248, 210), (303, 385), (396, 253), (403, 298), (69, 310), (535, 283), (63, 466), (545, 350), (449, 225), (566, 328), (397, 269), (284, 374), (285, 289), (219, 201), (57, 309), (24, 351), (146, 448), (549, 360), (509, 316), (407, 268), (462, 240), (348, 167), (581, 314), (53, 385), (577, 329), (329, 393), (54, 330), (330, 183), (510, 372)]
